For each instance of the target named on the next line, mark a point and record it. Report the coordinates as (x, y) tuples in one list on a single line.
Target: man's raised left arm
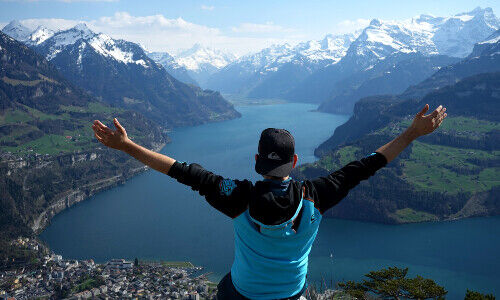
[(118, 139)]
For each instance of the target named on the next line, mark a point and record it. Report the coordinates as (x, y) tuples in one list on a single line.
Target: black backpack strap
[(296, 221)]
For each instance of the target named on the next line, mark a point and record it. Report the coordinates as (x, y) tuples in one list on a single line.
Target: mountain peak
[(199, 56), (197, 46), (479, 13), (17, 30), (40, 34), (375, 22), (479, 10), (14, 23), (72, 35), (82, 27), (41, 28)]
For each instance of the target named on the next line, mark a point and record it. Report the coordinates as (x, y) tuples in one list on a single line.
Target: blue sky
[(239, 26)]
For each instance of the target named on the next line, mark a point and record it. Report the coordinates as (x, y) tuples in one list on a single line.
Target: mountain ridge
[(121, 73), (380, 39), (173, 68), (303, 59)]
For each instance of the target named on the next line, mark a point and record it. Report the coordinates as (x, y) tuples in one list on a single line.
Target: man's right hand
[(116, 139), (423, 125)]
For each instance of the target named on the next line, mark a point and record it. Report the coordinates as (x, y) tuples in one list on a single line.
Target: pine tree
[(391, 283), (471, 295)]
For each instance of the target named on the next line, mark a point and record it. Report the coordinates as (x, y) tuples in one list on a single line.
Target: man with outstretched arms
[(275, 219)]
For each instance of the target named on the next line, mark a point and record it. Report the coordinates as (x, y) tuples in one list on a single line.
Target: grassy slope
[(23, 121), (432, 167)]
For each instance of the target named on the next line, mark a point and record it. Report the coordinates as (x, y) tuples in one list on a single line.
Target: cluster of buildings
[(58, 278), (53, 277)]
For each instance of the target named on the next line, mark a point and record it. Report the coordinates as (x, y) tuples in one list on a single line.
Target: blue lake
[(154, 217)]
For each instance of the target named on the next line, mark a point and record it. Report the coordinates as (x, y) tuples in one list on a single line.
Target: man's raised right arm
[(327, 191)]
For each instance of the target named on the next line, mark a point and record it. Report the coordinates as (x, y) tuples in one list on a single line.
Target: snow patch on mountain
[(492, 39), (40, 35), (106, 46), (164, 59), (330, 49), (199, 58)]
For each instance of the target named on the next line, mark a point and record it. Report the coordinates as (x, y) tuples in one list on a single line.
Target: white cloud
[(351, 25), (268, 27), (54, 24), (158, 33), (207, 7)]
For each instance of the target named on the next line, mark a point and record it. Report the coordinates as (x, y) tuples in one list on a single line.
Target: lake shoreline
[(153, 217), (72, 197)]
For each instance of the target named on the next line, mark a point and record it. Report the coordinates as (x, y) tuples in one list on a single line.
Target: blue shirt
[(270, 261)]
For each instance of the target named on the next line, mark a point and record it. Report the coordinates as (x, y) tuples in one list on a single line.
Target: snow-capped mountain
[(39, 35), (456, 36), (17, 31), (121, 73), (199, 57), (451, 36), (173, 68), (489, 44), (80, 39), (275, 69), (331, 48), (485, 58), (23, 34), (201, 62)]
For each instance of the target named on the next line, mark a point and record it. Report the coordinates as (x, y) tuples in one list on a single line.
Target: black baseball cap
[(276, 151)]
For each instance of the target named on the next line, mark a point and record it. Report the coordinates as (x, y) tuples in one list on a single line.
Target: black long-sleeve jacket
[(273, 202)]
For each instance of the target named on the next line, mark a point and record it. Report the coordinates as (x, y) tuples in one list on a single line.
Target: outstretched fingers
[(437, 111), (98, 131), (102, 127), (118, 126), (440, 120), (440, 117)]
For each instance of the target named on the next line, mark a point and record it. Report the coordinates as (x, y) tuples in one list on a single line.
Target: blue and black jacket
[(275, 222)]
